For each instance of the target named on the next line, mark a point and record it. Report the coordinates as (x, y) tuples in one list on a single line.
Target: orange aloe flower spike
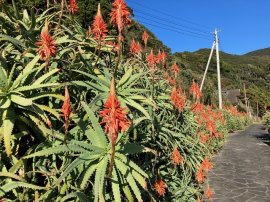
[(46, 44), (120, 15), (66, 109), (151, 59), (204, 138), (145, 37), (113, 116), (195, 91), (159, 57), (163, 57), (206, 165), (73, 7), (175, 69), (200, 176), (160, 187), (176, 156), (99, 27), (135, 48), (209, 193), (178, 99)]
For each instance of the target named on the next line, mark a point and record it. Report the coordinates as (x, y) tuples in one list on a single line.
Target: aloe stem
[(119, 55), (60, 15), (112, 160)]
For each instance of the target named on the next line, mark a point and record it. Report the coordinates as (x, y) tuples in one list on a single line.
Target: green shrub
[(266, 120)]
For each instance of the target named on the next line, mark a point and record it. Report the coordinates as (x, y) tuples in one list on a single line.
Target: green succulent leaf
[(14, 185), (21, 100)]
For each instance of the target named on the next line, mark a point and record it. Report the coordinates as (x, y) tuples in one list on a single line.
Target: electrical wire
[(174, 30), (167, 20), (174, 17), (173, 27)]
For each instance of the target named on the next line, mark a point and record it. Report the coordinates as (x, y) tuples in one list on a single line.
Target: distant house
[(232, 95)]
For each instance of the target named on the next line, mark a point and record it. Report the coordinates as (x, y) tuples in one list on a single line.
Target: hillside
[(235, 71), (253, 69), (261, 52)]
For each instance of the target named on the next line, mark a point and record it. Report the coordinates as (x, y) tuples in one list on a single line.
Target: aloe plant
[(17, 104), (92, 159)]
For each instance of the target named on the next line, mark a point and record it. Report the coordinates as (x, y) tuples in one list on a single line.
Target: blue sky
[(244, 24)]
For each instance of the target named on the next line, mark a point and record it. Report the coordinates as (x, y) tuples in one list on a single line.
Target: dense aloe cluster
[(80, 121)]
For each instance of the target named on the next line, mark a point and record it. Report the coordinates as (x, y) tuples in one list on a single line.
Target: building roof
[(232, 95)]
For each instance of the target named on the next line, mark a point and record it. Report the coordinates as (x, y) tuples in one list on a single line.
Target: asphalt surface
[(241, 170)]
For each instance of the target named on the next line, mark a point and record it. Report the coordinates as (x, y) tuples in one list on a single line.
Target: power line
[(173, 27), (167, 20), (161, 12), (174, 30)]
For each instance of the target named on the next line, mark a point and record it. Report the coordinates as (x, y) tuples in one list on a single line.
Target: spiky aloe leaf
[(131, 81), (5, 103), (128, 193), (143, 99), (3, 77), (99, 179), (14, 185), (8, 125), (80, 83), (131, 164), (98, 132), (139, 178), (76, 195), (34, 122), (10, 77), (125, 77), (98, 87), (103, 168), (78, 161), (33, 87), (137, 106), (69, 148), (115, 186), (125, 171), (84, 158), (26, 71), (46, 94), (87, 146), (50, 110), (16, 166), (11, 175), (45, 76), (21, 100), (99, 78), (87, 174), (15, 9), (12, 40)]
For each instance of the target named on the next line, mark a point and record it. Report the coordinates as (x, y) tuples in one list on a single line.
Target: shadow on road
[(264, 137)]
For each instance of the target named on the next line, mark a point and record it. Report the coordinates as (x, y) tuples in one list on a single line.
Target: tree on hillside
[(87, 8)]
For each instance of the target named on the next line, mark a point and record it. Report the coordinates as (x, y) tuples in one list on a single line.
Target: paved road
[(242, 169)]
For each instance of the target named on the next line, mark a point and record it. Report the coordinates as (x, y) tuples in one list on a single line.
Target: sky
[(186, 25)]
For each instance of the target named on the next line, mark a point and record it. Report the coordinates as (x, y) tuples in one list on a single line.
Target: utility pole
[(249, 109), (245, 93), (218, 70), (257, 111), (208, 63), (216, 46)]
